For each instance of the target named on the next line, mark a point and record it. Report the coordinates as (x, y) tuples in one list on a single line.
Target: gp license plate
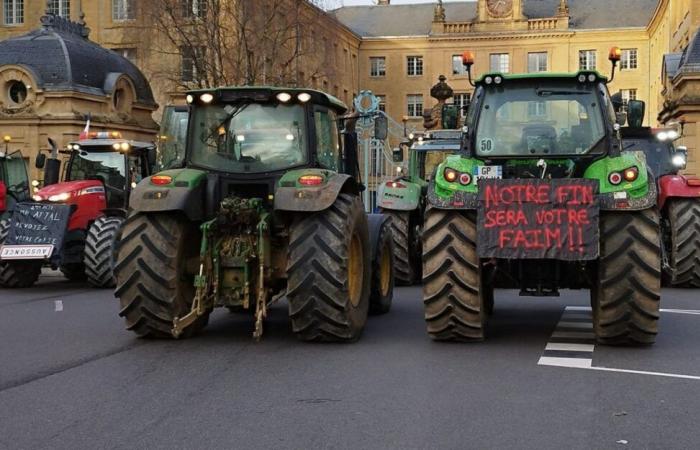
[(487, 172), (8, 252)]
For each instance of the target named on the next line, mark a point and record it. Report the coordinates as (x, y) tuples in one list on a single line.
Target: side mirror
[(621, 118), (635, 113), (381, 128), (397, 154), (40, 161), (680, 158)]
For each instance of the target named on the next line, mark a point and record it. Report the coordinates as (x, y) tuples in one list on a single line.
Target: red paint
[(3, 197), (678, 186), (89, 206)]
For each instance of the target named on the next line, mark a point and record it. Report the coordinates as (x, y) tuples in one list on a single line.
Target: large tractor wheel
[(406, 247), (382, 285), (328, 272), (100, 246), (152, 283), (17, 274), (626, 299), (684, 252), (453, 297)]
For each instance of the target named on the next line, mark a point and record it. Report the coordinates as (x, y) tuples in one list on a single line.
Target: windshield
[(171, 140), (658, 154), (107, 167), (249, 138), (539, 120)]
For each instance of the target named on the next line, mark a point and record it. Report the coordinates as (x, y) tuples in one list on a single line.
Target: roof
[(671, 63), (416, 19), (61, 57), (690, 59), (266, 92)]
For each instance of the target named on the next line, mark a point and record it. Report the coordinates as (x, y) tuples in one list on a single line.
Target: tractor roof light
[(189, 99), (206, 98), (592, 77), (498, 79), (615, 55), (116, 146), (582, 78), (304, 97), (468, 58), (161, 180), (284, 97), (124, 146), (488, 80)]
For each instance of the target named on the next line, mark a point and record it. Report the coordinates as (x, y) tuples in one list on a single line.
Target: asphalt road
[(71, 377)]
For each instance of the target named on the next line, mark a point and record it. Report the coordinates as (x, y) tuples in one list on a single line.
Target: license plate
[(8, 252), (488, 172)]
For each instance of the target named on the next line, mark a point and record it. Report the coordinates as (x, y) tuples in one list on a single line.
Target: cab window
[(327, 142)]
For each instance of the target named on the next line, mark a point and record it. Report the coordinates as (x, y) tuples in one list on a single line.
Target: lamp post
[(7, 138)]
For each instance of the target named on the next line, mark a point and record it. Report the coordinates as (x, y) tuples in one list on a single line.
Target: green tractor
[(266, 205), (541, 198), (403, 198)]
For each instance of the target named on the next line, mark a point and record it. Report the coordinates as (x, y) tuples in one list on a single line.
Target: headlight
[(37, 198), (59, 197), (679, 161)]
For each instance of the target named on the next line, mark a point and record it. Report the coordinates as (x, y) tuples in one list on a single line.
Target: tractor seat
[(539, 137)]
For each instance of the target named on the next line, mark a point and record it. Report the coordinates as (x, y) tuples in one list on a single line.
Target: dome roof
[(60, 56)]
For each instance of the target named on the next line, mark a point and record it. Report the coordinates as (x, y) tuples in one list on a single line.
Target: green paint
[(444, 188), (602, 169)]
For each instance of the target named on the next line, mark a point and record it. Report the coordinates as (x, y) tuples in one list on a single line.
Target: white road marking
[(578, 363), (578, 308), (644, 372), (693, 312), (565, 324), (570, 347), (58, 305)]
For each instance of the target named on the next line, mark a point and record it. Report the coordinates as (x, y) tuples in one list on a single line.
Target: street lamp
[(7, 138)]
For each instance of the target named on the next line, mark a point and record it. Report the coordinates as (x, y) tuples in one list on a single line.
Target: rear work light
[(310, 180), (160, 180), (631, 174), (450, 175), (615, 178), (465, 179), (395, 184)]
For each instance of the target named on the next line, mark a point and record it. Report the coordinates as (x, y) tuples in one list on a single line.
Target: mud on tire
[(684, 252), (452, 293), (626, 299), (99, 251), (17, 274), (328, 272), (405, 253), (152, 282)]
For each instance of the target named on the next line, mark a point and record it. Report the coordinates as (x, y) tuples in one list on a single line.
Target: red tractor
[(97, 180), (679, 196)]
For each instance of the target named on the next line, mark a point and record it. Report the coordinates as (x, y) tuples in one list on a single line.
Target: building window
[(586, 60), (382, 102), (59, 8), (190, 70), (415, 66), (194, 8), (415, 105), (462, 101), (14, 12), (457, 66), (377, 66), (627, 95), (500, 62), (537, 62), (629, 59), (537, 109), (122, 10), (128, 53)]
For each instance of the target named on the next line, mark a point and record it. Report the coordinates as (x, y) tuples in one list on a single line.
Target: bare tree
[(240, 42)]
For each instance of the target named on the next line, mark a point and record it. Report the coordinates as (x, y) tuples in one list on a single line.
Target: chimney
[(383, 2)]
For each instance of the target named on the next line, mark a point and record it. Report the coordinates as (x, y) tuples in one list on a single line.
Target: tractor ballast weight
[(265, 206), (541, 198)]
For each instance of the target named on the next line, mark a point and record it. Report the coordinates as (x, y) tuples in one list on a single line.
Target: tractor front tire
[(100, 246), (152, 283), (405, 251), (626, 298), (453, 297), (17, 274), (328, 272), (684, 252), (382, 286)]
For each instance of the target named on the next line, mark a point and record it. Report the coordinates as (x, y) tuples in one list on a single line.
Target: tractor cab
[(172, 137), (14, 182)]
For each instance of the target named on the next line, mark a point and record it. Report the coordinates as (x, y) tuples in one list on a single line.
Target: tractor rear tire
[(328, 272), (100, 246), (453, 296), (405, 251), (684, 254), (17, 274), (152, 282), (381, 290), (626, 299)]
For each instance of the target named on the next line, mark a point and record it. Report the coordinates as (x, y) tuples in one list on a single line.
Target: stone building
[(54, 76)]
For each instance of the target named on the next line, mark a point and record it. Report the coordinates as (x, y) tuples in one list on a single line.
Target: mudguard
[(375, 222), (399, 195), (291, 196), (185, 193), (678, 186)]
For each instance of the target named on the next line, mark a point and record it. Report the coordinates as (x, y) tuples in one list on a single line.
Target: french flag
[(85, 133)]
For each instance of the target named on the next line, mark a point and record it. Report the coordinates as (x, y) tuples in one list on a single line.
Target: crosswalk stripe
[(570, 347)]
